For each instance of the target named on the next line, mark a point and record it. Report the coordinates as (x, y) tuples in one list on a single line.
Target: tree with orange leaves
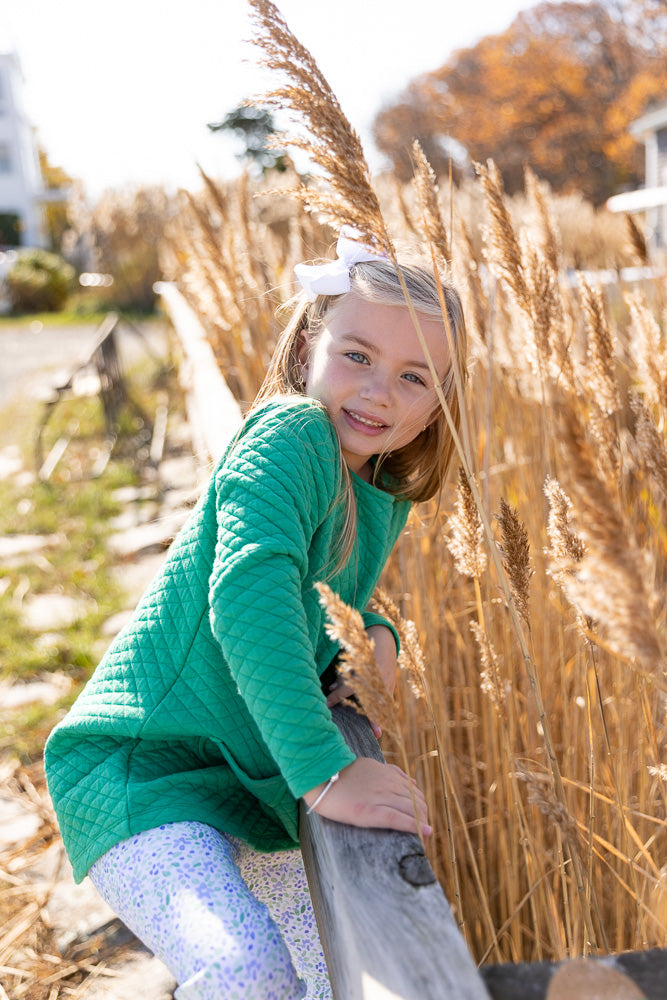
[(555, 92)]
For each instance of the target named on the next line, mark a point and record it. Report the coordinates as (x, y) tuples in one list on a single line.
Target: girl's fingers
[(338, 693)]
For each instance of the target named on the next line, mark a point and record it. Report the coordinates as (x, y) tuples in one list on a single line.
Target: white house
[(651, 129), (21, 186)]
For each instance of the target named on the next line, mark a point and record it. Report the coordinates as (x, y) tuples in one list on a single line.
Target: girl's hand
[(385, 657), (370, 793)]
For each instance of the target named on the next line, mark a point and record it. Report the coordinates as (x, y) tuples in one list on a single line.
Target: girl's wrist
[(319, 792)]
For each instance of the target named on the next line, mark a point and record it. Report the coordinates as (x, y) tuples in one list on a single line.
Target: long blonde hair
[(417, 471)]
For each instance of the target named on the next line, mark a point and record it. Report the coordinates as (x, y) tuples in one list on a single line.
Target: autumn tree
[(57, 183), (556, 91)]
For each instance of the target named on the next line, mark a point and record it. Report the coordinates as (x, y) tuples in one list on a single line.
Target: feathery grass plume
[(491, 681), (477, 304), (566, 549), (636, 239), (426, 188), (609, 584), (406, 214), (515, 552), (650, 443), (329, 138), (411, 656), (562, 368), (538, 196), (600, 360), (466, 531), (357, 666), (542, 284), (648, 350), (541, 794), (503, 243), (603, 432), (566, 546)]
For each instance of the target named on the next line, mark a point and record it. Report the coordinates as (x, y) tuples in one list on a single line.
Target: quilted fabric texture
[(208, 705)]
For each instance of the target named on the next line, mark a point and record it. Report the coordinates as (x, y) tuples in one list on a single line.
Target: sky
[(121, 92)]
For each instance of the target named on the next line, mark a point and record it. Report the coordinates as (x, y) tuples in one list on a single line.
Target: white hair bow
[(333, 278)]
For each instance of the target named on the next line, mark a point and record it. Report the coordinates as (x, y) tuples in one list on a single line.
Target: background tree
[(58, 182), (254, 126), (556, 91)]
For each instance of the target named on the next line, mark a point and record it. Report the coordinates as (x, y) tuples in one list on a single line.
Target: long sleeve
[(275, 495)]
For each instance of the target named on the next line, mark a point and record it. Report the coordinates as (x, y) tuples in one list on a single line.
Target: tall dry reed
[(539, 731)]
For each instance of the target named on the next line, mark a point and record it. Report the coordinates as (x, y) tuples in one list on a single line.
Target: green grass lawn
[(77, 510)]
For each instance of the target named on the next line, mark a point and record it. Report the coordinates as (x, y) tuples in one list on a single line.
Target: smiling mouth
[(373, 424)]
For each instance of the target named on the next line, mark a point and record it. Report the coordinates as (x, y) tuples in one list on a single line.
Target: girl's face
[(368, 368)]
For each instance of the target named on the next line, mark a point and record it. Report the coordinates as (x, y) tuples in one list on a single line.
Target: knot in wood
[(416, 870)]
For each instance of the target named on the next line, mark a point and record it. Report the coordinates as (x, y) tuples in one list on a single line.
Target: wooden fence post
[(385, 924)]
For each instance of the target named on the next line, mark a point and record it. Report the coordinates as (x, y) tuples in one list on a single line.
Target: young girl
[(176, 775)]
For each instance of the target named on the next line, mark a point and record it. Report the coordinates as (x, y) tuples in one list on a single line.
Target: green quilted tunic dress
[(208, 706)]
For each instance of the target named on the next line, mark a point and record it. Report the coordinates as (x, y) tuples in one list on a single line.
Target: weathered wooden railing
[(103, 358), (385, 924)]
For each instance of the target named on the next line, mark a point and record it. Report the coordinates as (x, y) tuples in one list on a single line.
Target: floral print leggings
[(227, 921)]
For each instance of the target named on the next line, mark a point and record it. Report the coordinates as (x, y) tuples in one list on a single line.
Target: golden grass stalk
[(636, 239), (491, 680), (651, 444), (649, 350), (537, 193), (356, 665), (515, 552), (609, 584), (426, 187), (411, 656), (329, 139), (566, 546), (542, 286), (541, 794), (502, 240), (600, 375), (466, 532)]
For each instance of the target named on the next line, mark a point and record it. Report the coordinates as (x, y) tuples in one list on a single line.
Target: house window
[(5, 158)]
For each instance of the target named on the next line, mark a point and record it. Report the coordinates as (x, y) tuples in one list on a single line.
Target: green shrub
[(39, 281)]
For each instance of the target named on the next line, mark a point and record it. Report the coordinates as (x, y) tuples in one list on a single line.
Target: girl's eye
[(357, 356), (415, 379)]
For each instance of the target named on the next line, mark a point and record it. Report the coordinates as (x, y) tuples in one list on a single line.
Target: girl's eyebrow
[(373, 349)]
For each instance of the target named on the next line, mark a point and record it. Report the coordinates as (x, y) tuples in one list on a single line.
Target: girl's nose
[(376, 389)]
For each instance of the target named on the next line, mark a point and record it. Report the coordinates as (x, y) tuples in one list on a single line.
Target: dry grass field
[(536, 720)]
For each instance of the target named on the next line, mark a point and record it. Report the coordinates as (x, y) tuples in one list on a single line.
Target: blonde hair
[(417, 471)]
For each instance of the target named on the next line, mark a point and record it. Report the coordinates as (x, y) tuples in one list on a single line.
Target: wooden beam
[(385, 924), (531, 980)]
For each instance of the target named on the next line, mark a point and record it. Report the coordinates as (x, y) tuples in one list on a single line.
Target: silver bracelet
[(330, 782)]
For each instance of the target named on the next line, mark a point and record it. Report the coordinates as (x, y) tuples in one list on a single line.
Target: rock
[(12, 546), (47, 691), (43, 612)]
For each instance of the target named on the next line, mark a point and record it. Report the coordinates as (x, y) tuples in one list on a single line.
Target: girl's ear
[(303, 347)]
